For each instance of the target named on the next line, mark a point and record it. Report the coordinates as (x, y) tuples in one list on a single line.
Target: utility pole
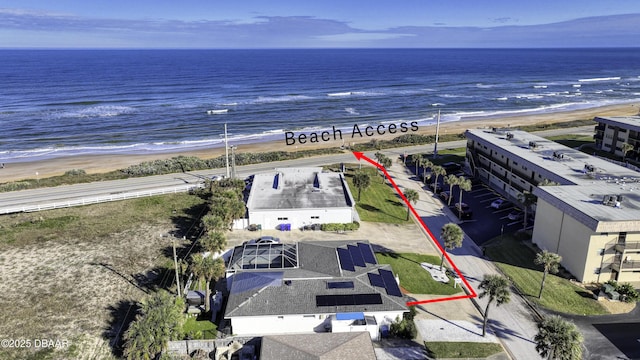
[(435, 146), (233, 161), (175, 262), (226, 148)]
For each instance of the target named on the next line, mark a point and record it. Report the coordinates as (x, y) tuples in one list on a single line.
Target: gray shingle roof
[(297, 293), (322, 346)]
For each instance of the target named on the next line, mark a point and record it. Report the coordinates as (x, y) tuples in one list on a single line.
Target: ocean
[(76, 102)]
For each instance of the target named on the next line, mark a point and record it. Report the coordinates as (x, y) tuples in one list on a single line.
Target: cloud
[(308, 31)]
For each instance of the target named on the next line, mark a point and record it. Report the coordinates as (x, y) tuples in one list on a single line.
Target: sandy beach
[(104, 163)]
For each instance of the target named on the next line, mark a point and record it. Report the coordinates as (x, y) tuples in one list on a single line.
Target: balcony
[(626, 265), (633, 246)]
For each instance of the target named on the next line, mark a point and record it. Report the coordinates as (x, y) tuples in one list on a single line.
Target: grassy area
[(516, 261), (573, 141), (413, 277), (379, 202), (456, 350), (198, 328), (91, 222)]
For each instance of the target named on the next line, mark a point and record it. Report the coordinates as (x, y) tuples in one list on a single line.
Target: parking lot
[(482, 222)]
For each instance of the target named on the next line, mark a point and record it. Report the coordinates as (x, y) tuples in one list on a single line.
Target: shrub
[(75, 172), (340, 227), (404, 329), (626, 291)]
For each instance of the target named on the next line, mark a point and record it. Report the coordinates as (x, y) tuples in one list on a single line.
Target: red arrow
[(361, 156), (472, 292)]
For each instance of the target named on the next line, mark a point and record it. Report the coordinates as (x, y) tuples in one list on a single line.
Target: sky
[(318, 24)]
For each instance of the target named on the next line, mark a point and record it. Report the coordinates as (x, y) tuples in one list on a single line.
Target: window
[(309, 316), (281, 317), (283, 218), (315, 217), (515, 163)]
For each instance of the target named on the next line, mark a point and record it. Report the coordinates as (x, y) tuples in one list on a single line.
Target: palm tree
[(207, 269), (464, 184), (213, 241), (558, 339), (361, 180), (452, 236), (212, 222), (426, 163), (412, 197), (437, 171), (159, 321), (497, 288), (451, 180), (625, 147), (386, 163), (550, 262), (527, 199)]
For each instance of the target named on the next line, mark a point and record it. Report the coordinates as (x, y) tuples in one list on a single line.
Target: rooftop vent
[(533, 145), (589, 168), (558, 156), (509, 136), (612, 200)]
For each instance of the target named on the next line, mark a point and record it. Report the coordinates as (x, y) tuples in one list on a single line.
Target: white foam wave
[(278, 99), (502, 98), (351, 111), (95, 111), (600, 79), (539, 86), (576, 85)]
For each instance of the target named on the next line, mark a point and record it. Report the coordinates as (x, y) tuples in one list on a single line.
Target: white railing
[(97, 199)]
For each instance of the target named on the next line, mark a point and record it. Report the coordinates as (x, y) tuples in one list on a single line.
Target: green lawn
[(456, 350), (413, 277), (516, 260), (200, 328), (379, 202)]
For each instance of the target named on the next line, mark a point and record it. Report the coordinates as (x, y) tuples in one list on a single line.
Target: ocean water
[(69, 102)]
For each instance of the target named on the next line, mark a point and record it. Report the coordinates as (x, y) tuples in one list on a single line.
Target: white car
[(265, 240), (500, 204)]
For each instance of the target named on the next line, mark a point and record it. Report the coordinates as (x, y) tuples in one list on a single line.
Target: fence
[(96, 200)]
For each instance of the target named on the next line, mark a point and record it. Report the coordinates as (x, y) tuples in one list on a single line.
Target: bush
[(75, 172), (340, 227), (404, 329), (626, 291)]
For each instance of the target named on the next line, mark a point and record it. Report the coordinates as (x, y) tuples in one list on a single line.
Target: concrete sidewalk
[(512, 323)]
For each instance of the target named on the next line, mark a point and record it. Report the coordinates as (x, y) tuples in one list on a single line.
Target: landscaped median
[(458, 350), (516, 261)]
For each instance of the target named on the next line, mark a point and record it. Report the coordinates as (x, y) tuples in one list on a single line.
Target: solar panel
[(368, 299), (375, 279), (345, 300), (390, 283), (340, 285), (345, 260), (356, 255), (367, 254)]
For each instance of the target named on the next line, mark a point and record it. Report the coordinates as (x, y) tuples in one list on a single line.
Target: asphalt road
[(77, 194)]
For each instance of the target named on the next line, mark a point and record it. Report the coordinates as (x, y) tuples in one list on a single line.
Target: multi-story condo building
[(591, 218), (612, 132)]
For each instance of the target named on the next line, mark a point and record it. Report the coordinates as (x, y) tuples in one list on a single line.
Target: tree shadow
[(500, 330), (188, 225), (121, 316), (395, 203), (369, 207)]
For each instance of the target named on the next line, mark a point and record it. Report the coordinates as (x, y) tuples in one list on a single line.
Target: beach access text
[(357, 131)]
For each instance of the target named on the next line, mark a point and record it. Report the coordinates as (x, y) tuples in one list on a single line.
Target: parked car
[(445, 196), (500, 204), (463, 211), (516, 215), (264, 240), (437, 188), (451, 167)]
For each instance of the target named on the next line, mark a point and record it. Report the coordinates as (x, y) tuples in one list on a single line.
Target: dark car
[(445, 195), (451, 167), (436, 188), (463, 211)]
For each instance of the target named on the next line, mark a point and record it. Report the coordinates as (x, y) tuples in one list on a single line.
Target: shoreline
[(102, 163)]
